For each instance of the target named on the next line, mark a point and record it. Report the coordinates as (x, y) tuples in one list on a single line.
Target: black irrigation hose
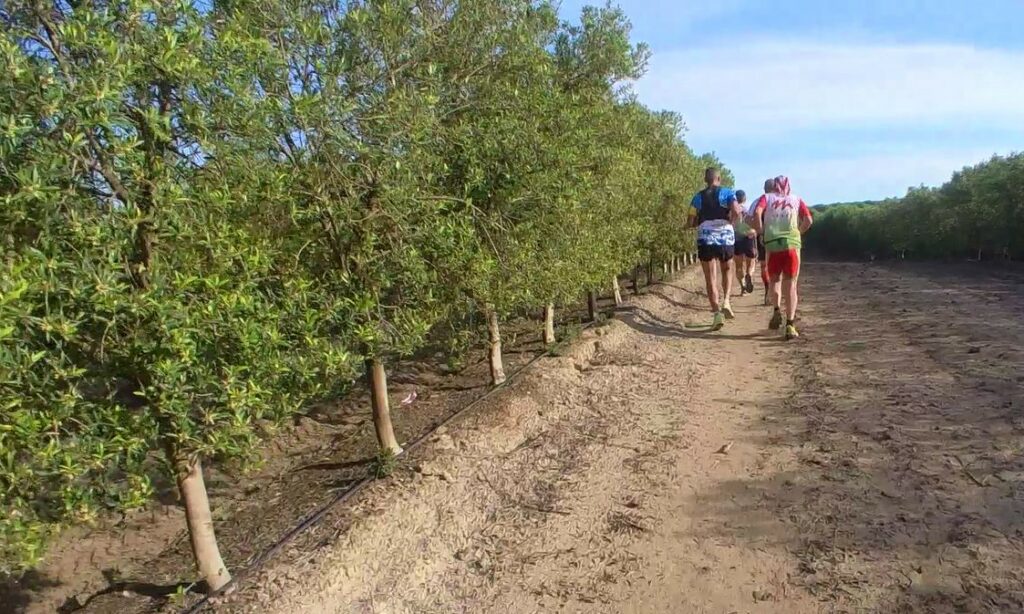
[(313, 519)]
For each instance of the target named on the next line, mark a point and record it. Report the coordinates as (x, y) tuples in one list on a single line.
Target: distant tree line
[(978, 214)]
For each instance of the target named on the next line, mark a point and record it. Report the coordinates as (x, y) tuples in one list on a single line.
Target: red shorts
[(784, 263)]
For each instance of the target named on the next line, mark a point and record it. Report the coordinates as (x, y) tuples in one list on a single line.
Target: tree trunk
[(616, 291), (636, 280), (549, 324), (377, 380), (494, 340), (592, 305), (200, 522), (650, 271)]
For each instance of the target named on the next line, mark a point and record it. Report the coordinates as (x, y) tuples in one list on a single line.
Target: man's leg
[(727, 269), (710, 267), (790, 281), (762, 258), (789, 291), (774, 269), (741, 268), (749, 272), (710, 283)]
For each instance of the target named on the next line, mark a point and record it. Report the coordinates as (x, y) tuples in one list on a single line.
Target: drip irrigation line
[(313, 519)]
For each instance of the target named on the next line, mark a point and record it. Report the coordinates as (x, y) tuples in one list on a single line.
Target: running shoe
[(791, 332), (776, 321), (750, 285), (718, 322), (727, 310)]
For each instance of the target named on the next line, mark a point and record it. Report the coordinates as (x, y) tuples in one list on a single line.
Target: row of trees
[(978, 214), (214, 212)]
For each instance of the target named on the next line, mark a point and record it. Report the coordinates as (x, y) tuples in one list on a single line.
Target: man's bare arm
[(756, 221), (805, 223), (735, 212)]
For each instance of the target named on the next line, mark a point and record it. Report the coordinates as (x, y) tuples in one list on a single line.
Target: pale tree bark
[(494, 340), (377, 380), (549, 324), (200, 523), (664, 269), (592, 305), (616, 290)]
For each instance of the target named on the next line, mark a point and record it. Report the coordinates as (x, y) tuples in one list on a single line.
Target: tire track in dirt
[(593, 484), (909, 496)]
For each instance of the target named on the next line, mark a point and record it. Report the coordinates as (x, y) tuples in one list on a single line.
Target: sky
[(852, 99)]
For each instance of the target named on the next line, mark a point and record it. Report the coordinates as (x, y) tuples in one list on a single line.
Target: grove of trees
[(978, 214), (214, 212)]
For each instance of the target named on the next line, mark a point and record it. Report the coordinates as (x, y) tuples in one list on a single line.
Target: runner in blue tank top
[(713, 212)]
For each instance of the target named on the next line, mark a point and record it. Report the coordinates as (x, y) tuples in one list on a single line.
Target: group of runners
[(732, 237)]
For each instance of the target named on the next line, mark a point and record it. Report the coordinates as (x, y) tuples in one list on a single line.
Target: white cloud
[(762, 88), (846, 121)]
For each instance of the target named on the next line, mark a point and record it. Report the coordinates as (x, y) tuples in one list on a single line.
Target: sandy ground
[(874, 465)]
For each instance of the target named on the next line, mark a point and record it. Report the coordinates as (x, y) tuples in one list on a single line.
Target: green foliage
[(979, 212), (384, 464), (140, 309), (211, 213)]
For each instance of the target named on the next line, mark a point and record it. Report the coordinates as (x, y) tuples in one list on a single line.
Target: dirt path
[(874, 466), (598, 485)]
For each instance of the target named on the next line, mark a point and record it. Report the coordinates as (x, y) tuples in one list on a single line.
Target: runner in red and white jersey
[(783, 217)]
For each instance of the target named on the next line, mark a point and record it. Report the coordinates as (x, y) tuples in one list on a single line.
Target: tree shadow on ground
[(683, 289), (676, 303), (161, 593), (16, 593), (643, 321), (903, 488)]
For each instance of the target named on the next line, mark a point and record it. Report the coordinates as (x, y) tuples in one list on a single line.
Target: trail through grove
[(872, 466)]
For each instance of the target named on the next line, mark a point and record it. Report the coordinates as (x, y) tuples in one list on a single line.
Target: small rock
[(760, 596), (444, 442)]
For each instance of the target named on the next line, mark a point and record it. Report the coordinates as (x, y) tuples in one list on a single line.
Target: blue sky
[(853, 99)]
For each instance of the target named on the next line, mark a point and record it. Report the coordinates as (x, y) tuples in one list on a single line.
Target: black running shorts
[(722, 253), (746, 247)]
